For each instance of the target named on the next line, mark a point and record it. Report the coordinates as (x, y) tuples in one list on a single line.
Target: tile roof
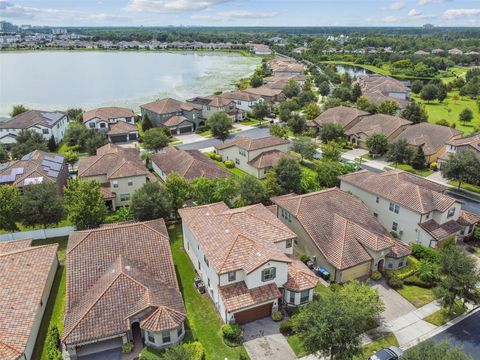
[(467, 218), (339, 224), (342, 115), (430, 137), (121, 128), (163, 318), (33, 117), (115, 272), (250, 144), (441, 231), (25, 271), (190, 164), (378, 87), (472, 140), (176, 120), (235, 239), (211, 100), (377, 123), (407, 190), (269, 159), (107, 113), (238, 296), (300, 277), (168, 106), (264, 91), (240, 95)]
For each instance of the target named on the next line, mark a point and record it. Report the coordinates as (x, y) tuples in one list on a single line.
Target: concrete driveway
[(395, 304), (264, 341), (189, 138)]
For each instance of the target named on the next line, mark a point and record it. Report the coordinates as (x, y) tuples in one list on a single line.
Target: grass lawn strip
[(410, 169), (468, 187), (297, 345), (379, 344), (442, 316), (416, 295)]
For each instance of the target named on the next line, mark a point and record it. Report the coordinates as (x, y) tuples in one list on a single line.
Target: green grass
[(21, 227), (416, 295), (379, 344), (442, 316), (252, 122), (235, 171), (56, 301), (202, 317), (306, 171), (464, 186), (410, 169), (383, 71), (321, 289), (297, 345)]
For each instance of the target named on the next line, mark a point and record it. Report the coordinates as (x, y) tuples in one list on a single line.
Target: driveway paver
[(395, 304), (189, 138)]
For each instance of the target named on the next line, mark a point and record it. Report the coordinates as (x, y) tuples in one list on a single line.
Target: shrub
[(127, 348), (212, 155), (52, 343), (376, 275), (218, 157), (415, 280), (277, 316), (229, 164), (394, 282), (293, 310), (231, 332), (196, 349), (304, 258), (424, 253), (286, 327), (243, 357), (434, 166)]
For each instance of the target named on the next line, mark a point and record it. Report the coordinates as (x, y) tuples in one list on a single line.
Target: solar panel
[(52, 173)]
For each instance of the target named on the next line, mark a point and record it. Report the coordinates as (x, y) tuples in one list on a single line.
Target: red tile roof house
[(27, 277), (121, 287), (346, 116), (217, 103), (413, 207), (102, 118), (340, 234), (470, 143), (254, 156), (378, 88), (244, 256)]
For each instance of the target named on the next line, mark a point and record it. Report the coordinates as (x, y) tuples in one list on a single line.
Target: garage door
[(133, 136), (356, 272), (185, 129), (259, 312), (118, 138)]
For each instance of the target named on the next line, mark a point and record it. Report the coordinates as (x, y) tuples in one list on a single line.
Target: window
[(400, 263), (130, 182), (242, 152), (292, 297), (92, 125), (199, 265), (179, 332), (268, 274), (286, 215), (208, 282), (427, 216), (45, 131), (124, 197), (289, 243), (394, 226), (103, 125), (205, 260), (115, 183), (166, 337), (375, 214), (129, 119), (208, 107), (394, 208), (237, 161), (304, 296), (150, 337), (377, 200), (390, 265), (232, 276), (451, 212)]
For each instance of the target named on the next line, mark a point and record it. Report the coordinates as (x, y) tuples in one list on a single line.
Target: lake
[(49, 80), (352, 70)]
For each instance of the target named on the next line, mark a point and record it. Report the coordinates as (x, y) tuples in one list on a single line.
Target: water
[(352, 70), (49, 80)]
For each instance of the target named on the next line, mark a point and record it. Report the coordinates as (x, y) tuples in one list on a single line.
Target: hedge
[(52, 343), (424, 253), (415, 280)]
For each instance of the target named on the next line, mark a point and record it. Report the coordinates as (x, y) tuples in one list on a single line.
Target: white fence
[(38, 234)]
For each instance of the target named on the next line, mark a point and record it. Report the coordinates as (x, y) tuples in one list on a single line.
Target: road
[(464, 334)]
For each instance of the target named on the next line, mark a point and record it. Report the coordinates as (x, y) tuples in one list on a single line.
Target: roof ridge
[(344, 233), (27, 248), (258, 217), (17, 352), (231, 248)]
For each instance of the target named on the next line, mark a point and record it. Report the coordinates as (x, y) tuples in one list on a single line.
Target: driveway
[(264, 341), (189, 138), (395, 304)]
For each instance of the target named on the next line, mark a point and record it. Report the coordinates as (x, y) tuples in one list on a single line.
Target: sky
[(241, 12)]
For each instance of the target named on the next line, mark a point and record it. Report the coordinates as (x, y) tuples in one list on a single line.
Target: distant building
[(455, 51), (7, 27), (260, 49), (59, 31)]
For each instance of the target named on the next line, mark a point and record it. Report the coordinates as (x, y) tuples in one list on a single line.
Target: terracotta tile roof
[(406, 190), (441, 231), (176, 120), (115, 272), (300, 277), (269, 159), (107, 192), (399, 249), (264, 91), (190, 164), (467, 218), (430, 137), (241, 95), (250, 144), (471, 140), (168, 106), (121, 128), (339, 224), (33, 117), (106, 113), (163, 318), (377, 123), (342, 115), (25, 271), (234, 239), (211, 100), (384, 84), (14, 245), (237, 296)]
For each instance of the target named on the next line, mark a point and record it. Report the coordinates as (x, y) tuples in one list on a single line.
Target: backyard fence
[(38, 234)]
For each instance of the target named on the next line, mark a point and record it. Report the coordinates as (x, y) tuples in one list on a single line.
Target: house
[(260, 49), (390, 126), (243, 256), (282, 67), (271, 96), (459, 144), (431, 138), (455, 51), (46, 123), (343, 115), (27, 277), (121, 132), (190, 164), (378, 88), (102, 118), (243, 100), (120, 171), (35, 168), (421, 53), (279, 82), (438, 51), (415, 209), (121, 287), (338, 232), (180, 117), (254, 156), (217, 103)]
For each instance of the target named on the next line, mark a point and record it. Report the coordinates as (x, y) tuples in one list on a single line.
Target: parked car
[(199, 285), (322, 272), (390, 353), (310, 264)]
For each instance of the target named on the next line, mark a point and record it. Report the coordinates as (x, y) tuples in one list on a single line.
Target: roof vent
[(128, 267), (227, 231), (207, 214), (258, 254)]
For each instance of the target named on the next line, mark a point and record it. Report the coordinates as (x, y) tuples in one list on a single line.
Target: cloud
[(4, 4), (224, 16), (397, 5), (459, 13), (426, 2), (391, 19), (414, 13), (170, 6), (10, 10), (108, 17)]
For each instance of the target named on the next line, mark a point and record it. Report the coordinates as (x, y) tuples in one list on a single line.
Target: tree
[(155, 139), (272, 186), (399, 152), (75, 114), (431, 350), (26, 142), (71, 157), (94, 141), (377, 144), (52, 145), (331, 151), (279, 131), (41, 205), (3, 154), (415, 112), (178, 191), (429, 92), (462, 167), (17, 110), (256, 81), (206, 191), (356, 92), (10, 206), (146, 123), (331, 131), (305, 147), (226, 190), (363, 103), (328, 173), (251, 190), (419, 161), (324, 88), (260, 110), (150, 202), (388, 107), (296, 123), (291, 89), (220, 125), (343, 93), (441, 92), (466, 115), (417, 86), (84, 203), (312, 111), (289, 175)]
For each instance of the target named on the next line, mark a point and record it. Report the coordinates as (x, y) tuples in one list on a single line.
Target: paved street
[(468, 204)]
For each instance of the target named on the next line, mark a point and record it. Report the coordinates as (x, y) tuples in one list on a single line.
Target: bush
[(52, 343), (394, 282), (415, 280), (218, 157), (293, 310), (212, 155), (376, 275), (286, 327), (231, 332), (304, 258), (229, 164), (196, 349), (277, 316), (424, 253), (202, 128), (434, 166), (243, 357), (127, 348)]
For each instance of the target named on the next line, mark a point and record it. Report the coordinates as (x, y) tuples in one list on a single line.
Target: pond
[(352, 70), (49, 80)]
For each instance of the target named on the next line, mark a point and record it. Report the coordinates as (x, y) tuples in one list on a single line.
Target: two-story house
[(243, 100), (102, 118), (338, 232), (343, 115), (271, 96), (217, 103), (378, 88), (254, 156), (457, 145), (244, 257), (46, 123), (120, 171), (414, 209)]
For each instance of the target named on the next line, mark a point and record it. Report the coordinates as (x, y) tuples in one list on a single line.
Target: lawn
[(410, 169), (201, 314), (321, 289), (442, 316), (235, 171), (56, 301), (21, 227), (464, 186), (379, 344), (297, 345), (416, 295)]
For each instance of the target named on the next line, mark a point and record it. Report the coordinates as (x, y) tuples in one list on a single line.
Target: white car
[(390, 353)]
